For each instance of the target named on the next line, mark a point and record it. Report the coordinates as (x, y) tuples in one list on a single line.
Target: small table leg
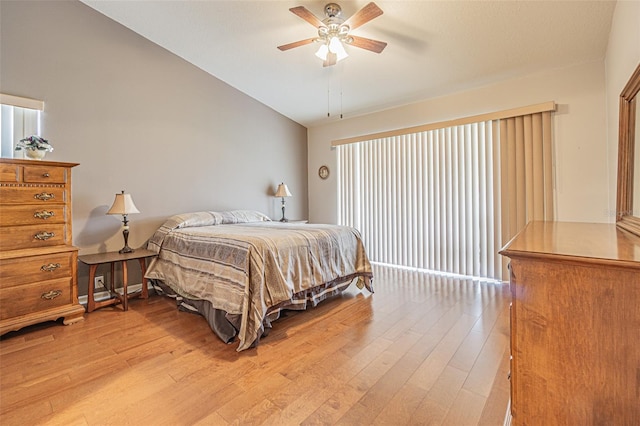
[(91, 303), (112, 281), (143, 268), (125, 291)]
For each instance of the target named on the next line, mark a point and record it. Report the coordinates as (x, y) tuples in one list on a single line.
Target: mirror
[(19, 118), (628, 210)]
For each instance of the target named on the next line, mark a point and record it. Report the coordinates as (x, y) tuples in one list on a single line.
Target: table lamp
[(283, 191), (123, 204)]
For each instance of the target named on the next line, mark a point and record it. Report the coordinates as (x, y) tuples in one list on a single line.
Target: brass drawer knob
[(44, 196), (44, 235), (43, 214), (51, 294), (50, 267)]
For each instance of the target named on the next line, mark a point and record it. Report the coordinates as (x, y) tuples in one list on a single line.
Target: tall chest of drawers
[(38, 263)]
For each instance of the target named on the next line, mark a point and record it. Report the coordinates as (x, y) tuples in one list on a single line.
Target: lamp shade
[(322, 52), (123, 204), (283, 191), (335, 46)]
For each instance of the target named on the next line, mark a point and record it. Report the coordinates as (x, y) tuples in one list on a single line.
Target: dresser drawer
[(32, 236), (26, 299), (33, 214), (32, 195), (44, 174), (19, 271), (9, 173)]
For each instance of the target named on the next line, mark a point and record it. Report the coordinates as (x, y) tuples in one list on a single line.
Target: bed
[(239, 269)]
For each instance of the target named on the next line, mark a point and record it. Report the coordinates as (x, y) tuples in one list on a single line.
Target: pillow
[(241, 216), (187, 220)]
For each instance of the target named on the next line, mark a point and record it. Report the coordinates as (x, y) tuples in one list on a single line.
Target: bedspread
[(252, 268)]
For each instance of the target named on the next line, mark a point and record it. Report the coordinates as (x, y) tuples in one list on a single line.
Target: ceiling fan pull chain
[(341, 73), (328, 101)]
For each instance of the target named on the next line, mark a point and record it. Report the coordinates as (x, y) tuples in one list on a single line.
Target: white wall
[(623, 56), (582, 189), (139, 118)]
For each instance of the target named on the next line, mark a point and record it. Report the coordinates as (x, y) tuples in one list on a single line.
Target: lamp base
[(284, 220), (125, 234)]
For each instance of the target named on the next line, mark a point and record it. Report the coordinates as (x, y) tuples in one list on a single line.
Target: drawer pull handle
[(43, 214), (44, 235), (45, 175), (50, 267), (51, 294), (44, 196)]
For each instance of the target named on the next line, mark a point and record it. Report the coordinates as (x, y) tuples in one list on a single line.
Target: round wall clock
[(323, 172)]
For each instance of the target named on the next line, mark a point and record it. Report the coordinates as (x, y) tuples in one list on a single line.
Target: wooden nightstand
[(94, 260)]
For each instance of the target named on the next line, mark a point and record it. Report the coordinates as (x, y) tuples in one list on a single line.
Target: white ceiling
[(434, 47)]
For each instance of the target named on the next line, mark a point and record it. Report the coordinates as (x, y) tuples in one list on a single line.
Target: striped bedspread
[(250, 266)]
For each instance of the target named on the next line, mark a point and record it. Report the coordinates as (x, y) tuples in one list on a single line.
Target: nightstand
[(94, 260), (297, 221)]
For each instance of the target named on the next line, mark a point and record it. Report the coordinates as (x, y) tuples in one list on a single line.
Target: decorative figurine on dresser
[(38, 264)]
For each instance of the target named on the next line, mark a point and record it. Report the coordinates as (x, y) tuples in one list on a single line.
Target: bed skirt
[(226, 325)]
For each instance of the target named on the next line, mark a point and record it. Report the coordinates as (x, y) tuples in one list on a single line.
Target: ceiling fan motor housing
[(332, 10), (333, 25)]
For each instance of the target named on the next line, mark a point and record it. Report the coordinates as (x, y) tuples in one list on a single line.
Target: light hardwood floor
[(423, 349)]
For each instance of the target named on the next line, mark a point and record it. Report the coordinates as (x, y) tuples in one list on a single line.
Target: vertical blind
[(447, 199)]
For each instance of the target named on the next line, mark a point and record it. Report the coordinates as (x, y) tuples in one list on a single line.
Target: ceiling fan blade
[(364, 15), (368, 44), (296, 44), (304, 13), (331, 60)]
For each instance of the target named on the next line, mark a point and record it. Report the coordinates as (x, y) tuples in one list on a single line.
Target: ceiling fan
[(334, 31)]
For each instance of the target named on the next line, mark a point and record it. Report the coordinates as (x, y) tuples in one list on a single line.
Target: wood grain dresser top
[(603, 242)]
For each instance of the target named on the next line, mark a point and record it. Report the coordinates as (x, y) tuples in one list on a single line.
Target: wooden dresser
[(38, 264), (575, 325)]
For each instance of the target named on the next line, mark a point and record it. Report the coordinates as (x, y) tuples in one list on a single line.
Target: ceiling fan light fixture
[(322, 52), (335, 46)]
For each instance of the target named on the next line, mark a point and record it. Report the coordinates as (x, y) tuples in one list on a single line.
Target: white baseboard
[(507, 416), (104, 294)]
